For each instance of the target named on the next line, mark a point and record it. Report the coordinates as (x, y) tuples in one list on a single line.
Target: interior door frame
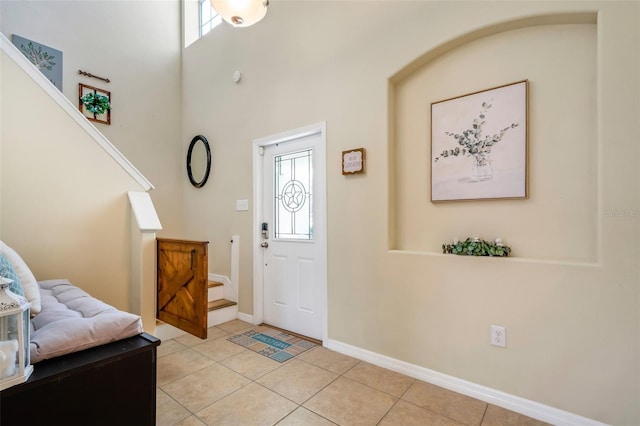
[(258, 206)]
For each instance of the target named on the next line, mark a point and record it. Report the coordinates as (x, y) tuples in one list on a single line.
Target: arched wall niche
[(558, 221)]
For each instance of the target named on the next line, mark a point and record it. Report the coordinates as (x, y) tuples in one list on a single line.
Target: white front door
[(293, 247)]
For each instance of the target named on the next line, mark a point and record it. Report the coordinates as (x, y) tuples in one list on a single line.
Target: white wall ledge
[(144, 212)]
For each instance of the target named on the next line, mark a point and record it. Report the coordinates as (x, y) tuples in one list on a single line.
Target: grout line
[(298, 357), (484, 414), (388, 411)]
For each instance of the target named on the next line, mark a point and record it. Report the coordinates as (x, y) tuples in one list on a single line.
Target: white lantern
[(15, 366)]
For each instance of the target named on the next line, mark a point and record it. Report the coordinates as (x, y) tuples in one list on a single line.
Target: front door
[(293, 242)]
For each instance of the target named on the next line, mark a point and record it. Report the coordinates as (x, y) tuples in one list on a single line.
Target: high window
[(209, 18)]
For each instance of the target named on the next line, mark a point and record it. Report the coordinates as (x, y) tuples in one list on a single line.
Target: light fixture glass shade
[(241, 13), (15, 364)]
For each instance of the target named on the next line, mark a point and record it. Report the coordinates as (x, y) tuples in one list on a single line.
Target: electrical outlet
[(498, 336)]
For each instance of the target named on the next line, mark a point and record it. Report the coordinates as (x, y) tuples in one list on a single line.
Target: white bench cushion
[(71, 320)]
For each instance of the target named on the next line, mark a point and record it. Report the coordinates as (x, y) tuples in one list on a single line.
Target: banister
[(23, 63)]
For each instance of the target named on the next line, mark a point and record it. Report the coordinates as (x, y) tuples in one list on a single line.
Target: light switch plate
[(242, 205)]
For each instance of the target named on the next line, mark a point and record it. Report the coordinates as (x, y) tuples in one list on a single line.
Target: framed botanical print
[(479, 145)]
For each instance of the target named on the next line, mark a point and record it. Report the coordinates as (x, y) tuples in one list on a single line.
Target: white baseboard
[(520, 405), (228, 291), (166, 331), (245, 317)]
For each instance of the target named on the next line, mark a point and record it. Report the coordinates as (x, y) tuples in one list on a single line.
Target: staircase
[(220, 309)]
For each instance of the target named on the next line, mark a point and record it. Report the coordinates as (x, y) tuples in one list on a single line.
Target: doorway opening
[(290, 232)]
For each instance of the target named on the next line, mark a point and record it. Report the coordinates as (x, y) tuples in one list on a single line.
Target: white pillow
[(27, 279)]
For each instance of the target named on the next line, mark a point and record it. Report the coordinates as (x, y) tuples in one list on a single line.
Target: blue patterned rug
[(273, 344)]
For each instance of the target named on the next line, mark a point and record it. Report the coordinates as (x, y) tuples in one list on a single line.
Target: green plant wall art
[(95, 103), (47, 59)]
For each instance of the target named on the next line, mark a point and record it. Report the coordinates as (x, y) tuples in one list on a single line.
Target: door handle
[(264, 245)]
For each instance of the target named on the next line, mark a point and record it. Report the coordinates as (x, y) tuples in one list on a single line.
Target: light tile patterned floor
[(216, 382)]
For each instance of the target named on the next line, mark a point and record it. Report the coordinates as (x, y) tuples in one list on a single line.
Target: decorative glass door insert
[(293, 203)]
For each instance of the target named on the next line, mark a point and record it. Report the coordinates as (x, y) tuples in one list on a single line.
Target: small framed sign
[(353, 161)]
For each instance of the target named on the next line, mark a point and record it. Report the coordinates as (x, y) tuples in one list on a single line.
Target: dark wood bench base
[(112, 384)]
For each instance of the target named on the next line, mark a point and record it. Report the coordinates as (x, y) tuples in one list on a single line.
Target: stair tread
[(215, 284), (220, 303)]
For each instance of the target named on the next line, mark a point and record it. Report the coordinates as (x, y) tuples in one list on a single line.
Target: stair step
[(220, 303), (213, 284), (215, 290)]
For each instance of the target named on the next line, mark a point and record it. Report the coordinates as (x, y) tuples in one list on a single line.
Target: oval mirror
[(199, 161)]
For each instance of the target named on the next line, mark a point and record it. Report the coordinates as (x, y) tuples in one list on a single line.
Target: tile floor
[(216, 382)]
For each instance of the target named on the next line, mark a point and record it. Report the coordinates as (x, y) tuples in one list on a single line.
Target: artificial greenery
[(476, 247), (96, 103)]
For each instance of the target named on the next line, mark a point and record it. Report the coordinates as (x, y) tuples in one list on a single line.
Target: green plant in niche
[(477, 247), (96, 103)]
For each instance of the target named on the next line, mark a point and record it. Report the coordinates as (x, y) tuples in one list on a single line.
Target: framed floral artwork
[(479, 145)]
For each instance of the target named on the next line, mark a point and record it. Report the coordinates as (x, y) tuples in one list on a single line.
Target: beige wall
[(64, 199), (563, 169), (136, 44), (570, 309), (64, 202), (571, 313)]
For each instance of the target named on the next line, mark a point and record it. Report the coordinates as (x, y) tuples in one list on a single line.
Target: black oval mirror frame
[(199, 138)]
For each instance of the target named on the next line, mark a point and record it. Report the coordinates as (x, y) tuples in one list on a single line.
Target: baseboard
[(245, 317), (166, 331), (229, 292), (219, 278), (520, 405)]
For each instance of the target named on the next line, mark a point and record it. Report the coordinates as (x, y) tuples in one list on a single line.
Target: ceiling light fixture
[(241, 13)]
